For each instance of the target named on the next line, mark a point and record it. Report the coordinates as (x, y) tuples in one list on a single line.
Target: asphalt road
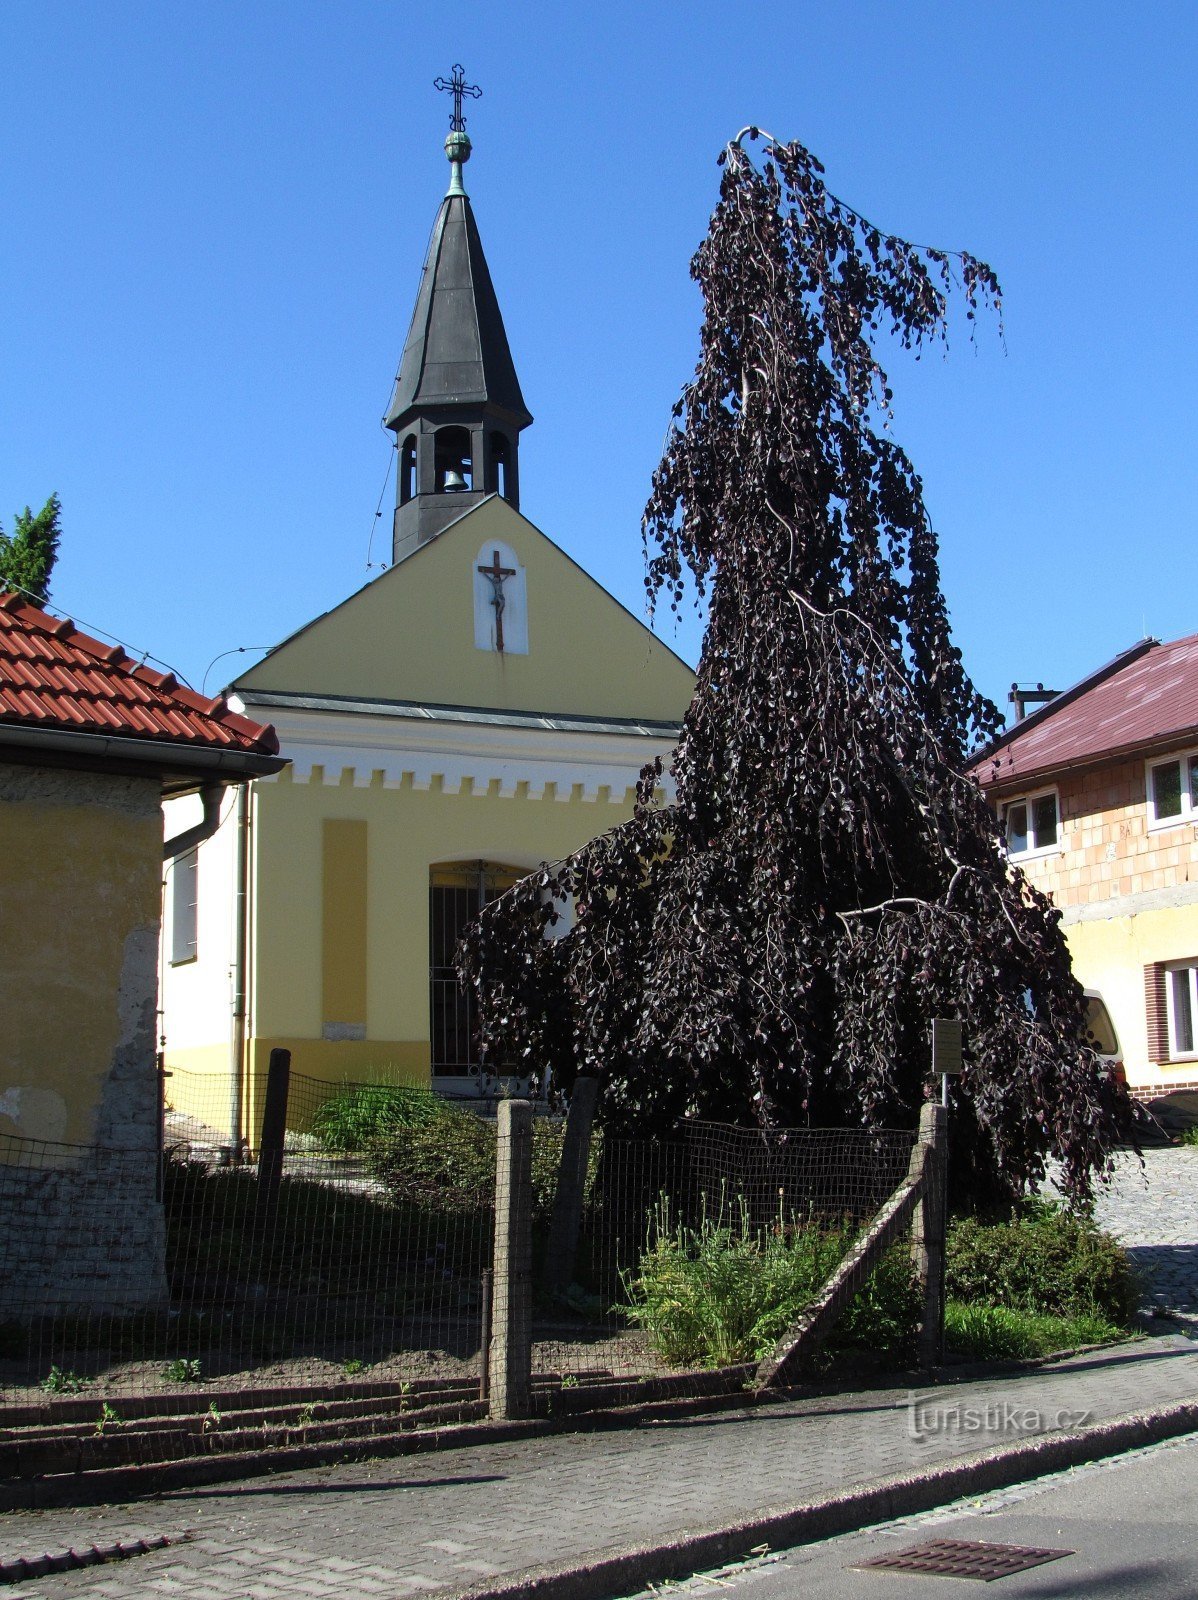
[(1131, 1523)]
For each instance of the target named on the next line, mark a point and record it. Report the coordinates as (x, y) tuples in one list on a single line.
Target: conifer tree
[(771, 945), (28, 554)]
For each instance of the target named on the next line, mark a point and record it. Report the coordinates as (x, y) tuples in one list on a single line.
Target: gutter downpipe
[(237, 1032), (210, 797)]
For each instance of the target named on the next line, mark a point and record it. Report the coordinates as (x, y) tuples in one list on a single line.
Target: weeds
[(725, 1292), (109, 1418), (62, 1381), (183, 1370)]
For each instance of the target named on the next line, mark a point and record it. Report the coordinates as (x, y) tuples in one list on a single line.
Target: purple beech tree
[(771, 945)]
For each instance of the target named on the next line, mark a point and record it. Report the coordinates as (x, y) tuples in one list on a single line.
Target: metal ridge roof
[(1145, 698), (417, 711), (53, 677)]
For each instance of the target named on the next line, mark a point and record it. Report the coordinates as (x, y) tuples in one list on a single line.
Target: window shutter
[(1156, 1012)]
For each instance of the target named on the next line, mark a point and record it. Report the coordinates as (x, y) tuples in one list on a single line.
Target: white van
[(1102, 1032)]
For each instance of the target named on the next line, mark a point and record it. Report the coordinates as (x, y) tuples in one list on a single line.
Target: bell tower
[(457, 411)]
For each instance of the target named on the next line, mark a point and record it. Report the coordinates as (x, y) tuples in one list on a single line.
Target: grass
[(996, 1333), (361, 1113)]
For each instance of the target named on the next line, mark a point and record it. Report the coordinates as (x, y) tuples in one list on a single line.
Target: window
[(1032, 824), (184, 907), (1181, 998), (1173, 790)]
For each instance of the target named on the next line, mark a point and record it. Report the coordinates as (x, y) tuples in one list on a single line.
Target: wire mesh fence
[(684, 1241), (365, 1265)]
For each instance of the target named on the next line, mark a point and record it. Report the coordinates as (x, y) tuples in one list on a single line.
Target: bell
[(454, 482)]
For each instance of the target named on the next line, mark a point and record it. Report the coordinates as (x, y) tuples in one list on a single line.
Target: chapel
[(482, 706)]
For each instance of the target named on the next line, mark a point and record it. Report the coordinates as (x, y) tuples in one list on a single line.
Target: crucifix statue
[(457, 86), (495, 574)]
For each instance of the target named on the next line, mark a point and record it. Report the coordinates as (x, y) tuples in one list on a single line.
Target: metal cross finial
[(457, 87)]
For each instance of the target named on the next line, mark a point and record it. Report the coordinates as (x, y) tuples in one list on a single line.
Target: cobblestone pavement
[(1153, 1212), (425, 1524)]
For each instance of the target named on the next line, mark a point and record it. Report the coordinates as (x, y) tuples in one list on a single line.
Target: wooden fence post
[(928, 1233), (568, 1197), (511, 1323), (274, 1128)]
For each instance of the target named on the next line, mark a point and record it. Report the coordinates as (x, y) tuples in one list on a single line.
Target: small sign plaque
[(946, 1047)]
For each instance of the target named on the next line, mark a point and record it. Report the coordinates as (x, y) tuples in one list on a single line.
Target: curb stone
[(626, 1572)]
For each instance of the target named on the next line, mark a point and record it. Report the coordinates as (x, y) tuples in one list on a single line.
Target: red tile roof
[(53, 677), (1145, 699)]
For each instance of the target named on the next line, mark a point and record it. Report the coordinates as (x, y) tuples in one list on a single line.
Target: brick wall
[(1107, 850), (83, 1230)]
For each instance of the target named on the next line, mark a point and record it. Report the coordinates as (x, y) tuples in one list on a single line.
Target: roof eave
[(172, 763), (1159, 744)]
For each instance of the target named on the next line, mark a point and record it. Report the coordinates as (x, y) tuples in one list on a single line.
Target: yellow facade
[(80, 882), (1110, 955), (341, 849)]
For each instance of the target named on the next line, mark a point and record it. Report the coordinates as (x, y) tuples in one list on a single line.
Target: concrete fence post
[(566, 1222), (511, 1318), (928, 1233)]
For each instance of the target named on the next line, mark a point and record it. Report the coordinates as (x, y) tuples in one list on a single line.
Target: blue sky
[(215, 219)]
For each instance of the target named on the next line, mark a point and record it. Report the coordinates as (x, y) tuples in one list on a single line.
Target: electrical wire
[(378, 511), (142, 656)]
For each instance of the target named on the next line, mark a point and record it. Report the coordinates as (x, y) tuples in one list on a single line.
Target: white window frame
[(185, 907), (1186, 759), (1191, 969), (1033, 851)]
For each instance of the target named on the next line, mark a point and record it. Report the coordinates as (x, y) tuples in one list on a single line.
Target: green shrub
[(1189, 1136), (1046, 1262), (993, 1333), (725, 1292), (361, 1113), (447, 1162)]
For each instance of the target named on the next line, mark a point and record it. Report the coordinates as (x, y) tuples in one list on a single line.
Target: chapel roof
[(1145, 699)]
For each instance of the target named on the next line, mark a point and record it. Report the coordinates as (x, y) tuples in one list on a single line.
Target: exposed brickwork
[(1107, 849)]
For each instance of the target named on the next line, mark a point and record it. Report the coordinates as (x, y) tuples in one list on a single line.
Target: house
[(1098, 791), (482, 706), (90, 743)]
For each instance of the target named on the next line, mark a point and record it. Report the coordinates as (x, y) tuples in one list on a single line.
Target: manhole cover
[(965, 1558)]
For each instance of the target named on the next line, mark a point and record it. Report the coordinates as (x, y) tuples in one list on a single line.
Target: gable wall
[(410, 635)]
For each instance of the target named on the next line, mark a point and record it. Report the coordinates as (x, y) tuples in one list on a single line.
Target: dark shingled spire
[(457, 351), (457, 408)]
